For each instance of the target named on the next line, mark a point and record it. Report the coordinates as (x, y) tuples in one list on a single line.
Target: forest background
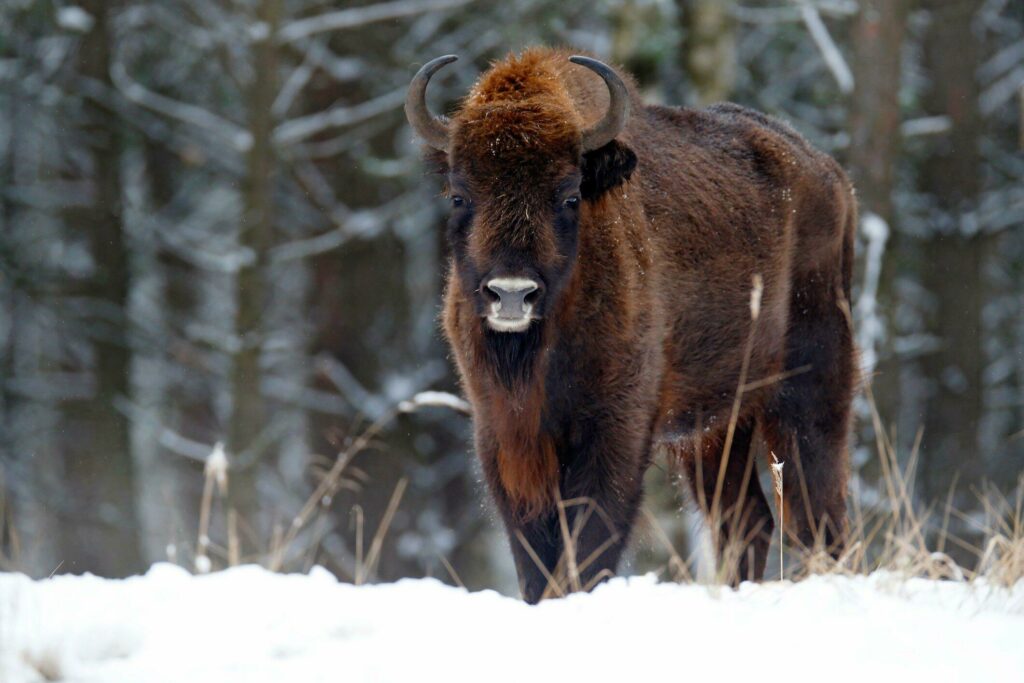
[(215, 228)]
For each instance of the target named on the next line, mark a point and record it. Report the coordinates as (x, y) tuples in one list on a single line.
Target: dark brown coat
[(644, 317)]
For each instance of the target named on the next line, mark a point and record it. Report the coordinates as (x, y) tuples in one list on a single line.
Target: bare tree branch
[(303, 127), (1002, 91), (829, 51), (238, 138), (360, 16), (294, 84), (926, 125), (776, 15)]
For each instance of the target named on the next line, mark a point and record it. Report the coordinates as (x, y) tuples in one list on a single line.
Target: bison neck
[(527, 461)]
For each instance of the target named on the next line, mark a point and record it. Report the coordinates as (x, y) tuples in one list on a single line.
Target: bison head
[(521, 169)]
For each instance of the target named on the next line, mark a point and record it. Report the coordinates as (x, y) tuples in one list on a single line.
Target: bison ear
[(606, 167)]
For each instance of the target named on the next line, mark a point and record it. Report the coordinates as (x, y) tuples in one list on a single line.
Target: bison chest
[(584, 416)]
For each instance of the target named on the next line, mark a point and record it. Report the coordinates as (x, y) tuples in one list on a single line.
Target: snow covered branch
[(360, 16), (304, 127), (438, 399), (925, 125), (775, 15), (829, 51), (239, 138), (871, 328)]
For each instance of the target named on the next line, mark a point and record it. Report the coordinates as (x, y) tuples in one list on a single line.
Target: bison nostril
[(532, 297), (490, 295)]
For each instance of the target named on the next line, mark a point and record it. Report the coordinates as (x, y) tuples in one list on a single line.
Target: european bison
[(599, 304)]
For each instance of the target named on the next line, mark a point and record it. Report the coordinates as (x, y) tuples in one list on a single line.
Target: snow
[(441, 399), (203, 564), (216, 467), (249, 625), (259, 31), (871, 331), (75, 18)]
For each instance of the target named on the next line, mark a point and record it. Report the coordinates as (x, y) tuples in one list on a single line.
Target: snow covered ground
[(247, 624)]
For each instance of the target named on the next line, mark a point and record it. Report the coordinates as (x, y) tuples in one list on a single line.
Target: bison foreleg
[(573, 547), (536, 548)]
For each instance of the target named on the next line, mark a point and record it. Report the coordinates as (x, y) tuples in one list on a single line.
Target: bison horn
[(605, 130), (433, 129)]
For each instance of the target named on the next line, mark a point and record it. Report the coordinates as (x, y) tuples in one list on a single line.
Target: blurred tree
[(239, 175), (32, 381), (877, 38), (953, 255), (97, 457), (710, 54), (875, 115), (247, 433)]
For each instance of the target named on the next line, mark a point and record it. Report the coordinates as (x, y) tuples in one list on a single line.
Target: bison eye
[(571, 202), (457, 200)]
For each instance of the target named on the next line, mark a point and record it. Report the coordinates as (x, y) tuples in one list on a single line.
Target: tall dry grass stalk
[(756, 290), (10, 558), (776, 469), (215, 474)]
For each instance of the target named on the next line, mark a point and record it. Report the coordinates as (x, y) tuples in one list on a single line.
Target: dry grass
[(9, 537), (296, 546), (898, 535)]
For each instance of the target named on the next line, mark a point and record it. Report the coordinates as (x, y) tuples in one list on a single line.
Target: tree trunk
[(249, 415), (98, 469), (709, 54), (953, 258), (175, 392), (877, 38)]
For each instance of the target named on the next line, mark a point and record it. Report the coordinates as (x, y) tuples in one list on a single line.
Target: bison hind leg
[(738, 516), (807, 424)]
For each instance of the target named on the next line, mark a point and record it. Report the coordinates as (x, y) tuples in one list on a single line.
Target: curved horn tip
[(596, 65), (614, 120), (441, 61), (432, 129), (580, 59)]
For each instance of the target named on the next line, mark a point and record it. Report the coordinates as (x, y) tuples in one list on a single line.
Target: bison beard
[(643, 227), (512, 356)]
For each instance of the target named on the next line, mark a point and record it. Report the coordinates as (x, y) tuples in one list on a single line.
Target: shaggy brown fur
[(645, 312)]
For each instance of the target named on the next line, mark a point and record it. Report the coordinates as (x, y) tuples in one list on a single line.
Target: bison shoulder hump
[(775, 151)]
